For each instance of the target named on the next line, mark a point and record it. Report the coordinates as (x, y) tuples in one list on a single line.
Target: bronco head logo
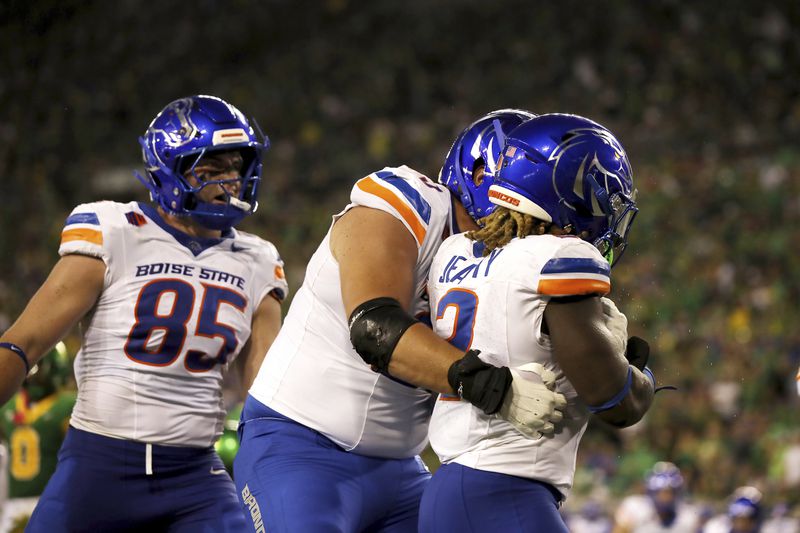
[(609, 168), (179, 128)]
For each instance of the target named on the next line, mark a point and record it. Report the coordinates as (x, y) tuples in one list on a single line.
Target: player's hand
[(637, 352), (616, 322), (481, 384), (532, 405)]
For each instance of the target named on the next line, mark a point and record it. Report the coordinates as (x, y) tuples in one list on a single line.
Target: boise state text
[(455, 272), (210, 274)]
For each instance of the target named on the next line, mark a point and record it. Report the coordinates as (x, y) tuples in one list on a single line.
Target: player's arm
[(377, 257), (70, 291), (593, 359), (265, 326)]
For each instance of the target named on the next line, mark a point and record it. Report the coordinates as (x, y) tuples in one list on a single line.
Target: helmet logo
[(184, 130), (475, 150), (601, 174)]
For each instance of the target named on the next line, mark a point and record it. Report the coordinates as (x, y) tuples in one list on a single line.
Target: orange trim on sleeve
[(370, 186), (82, 234), (565, 287)]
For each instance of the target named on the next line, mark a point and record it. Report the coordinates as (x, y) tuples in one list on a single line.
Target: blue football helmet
[(482, 141), (573, 172), (181, 134), (746, 503), (664, 477)]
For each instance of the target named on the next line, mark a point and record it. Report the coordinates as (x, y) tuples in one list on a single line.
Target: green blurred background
[(703, 95)]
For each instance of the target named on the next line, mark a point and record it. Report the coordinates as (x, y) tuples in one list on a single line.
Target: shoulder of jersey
[(457, 241), (415, 198), (568, 266), (90, 223), (256, 245)]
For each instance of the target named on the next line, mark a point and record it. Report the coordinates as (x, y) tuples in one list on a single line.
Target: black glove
[(483, 385), (638, 352)]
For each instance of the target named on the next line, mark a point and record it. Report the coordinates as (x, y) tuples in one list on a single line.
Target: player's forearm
[(19, 351), (423, 358), (264, 330), (12, 373), (247, 370), (635, 404)]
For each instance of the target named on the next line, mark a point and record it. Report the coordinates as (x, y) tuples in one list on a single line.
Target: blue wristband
[(617, 399), (20, 352)]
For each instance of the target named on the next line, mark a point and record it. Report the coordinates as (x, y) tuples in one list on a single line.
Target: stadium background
[(703, 95)]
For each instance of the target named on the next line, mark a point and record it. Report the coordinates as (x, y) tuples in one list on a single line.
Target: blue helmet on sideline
[(179, 136), (664, 484), (664, 475), (482, 141), (573, 172), (746, 503)]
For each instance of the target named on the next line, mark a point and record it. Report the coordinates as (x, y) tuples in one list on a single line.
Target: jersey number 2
[(173, 324), (465, 303)]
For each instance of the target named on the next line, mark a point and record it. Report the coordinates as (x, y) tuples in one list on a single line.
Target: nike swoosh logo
[(217, 471), (235, 248)]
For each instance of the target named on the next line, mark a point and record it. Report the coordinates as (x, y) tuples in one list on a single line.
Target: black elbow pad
[(375, 328)]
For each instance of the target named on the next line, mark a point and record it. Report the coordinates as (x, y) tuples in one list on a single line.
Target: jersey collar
[(196, 245)]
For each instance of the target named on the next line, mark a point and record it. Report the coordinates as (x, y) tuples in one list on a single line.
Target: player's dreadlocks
[(502, 225)]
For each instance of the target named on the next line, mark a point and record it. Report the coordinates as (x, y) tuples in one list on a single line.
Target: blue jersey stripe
[(420, 205), (566, 265), (82, 218)]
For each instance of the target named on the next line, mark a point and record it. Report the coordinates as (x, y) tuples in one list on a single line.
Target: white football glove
[(617, 324), (532, 405)]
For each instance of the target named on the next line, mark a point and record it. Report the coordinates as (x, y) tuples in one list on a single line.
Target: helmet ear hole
[(478, 172), (478, 145)]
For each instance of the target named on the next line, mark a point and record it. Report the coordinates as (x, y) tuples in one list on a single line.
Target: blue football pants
[(101, 484), (460, 499), (293, 479)]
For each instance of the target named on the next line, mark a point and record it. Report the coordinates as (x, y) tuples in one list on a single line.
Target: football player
[(525, 291), (744, 513), (662, 508), (172, 294), (328, 444), (33, 424)]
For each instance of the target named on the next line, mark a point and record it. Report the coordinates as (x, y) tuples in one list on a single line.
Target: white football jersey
[(496, 304), (637, 514), (313, 375), (173, 314)]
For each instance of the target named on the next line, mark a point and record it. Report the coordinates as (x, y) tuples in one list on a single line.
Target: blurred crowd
[(703, 95)]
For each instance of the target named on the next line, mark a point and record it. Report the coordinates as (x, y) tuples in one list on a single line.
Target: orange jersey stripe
[(371, 186), (563, 287), (82, 234), (449, 398)]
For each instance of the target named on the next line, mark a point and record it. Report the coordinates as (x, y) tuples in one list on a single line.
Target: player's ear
[(478, 172)]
